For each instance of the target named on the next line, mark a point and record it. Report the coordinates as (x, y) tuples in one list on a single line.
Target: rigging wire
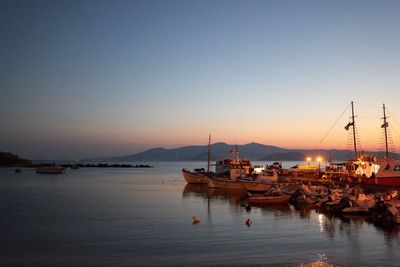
[(391, 115), (334, 124), (370, 105), (395, 131)]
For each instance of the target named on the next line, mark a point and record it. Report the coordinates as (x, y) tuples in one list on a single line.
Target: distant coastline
[(8, 159), (252, 151)]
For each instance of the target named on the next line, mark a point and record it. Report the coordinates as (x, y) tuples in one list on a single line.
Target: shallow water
[(142, 217)]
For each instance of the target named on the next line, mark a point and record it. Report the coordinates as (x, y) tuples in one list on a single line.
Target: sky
[(105, 78)]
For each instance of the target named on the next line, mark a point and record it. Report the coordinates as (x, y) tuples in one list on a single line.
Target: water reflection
[(321, 260), (234, 197), (195, 190), (328, 224)]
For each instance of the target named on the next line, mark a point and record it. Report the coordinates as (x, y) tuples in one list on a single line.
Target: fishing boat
[(198, 176), (233, 167), (229, 171), (50, 169)]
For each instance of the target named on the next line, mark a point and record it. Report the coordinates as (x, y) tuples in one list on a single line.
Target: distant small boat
[(53, 169), (75, 167), (17, 170)]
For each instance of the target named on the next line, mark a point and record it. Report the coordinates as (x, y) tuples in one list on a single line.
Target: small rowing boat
[(269, 199)]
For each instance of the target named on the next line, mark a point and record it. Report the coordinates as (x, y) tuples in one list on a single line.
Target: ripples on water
[(143, 217)]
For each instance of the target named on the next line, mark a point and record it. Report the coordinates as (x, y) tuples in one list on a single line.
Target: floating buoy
[(196, 219), (248, 222)]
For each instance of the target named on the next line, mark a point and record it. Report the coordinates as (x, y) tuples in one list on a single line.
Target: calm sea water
[(142, 217)]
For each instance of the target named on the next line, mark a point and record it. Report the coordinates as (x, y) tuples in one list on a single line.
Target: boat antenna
[(209, 152), (385, 125)]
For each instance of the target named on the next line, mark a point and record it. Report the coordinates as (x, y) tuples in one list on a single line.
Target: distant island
[(252, 151)]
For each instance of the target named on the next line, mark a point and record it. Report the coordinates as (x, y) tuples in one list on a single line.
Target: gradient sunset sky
[(102, 78)]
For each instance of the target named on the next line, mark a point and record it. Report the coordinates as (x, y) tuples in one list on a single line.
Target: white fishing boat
[(230, 170)]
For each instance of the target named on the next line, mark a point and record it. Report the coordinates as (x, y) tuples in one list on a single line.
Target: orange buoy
[(248, 222), (196, 219)]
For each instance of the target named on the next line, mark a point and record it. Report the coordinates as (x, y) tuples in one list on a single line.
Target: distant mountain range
[(252, 151)]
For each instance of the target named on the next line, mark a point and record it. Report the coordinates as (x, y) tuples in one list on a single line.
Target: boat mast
[(385, 125), (209, 152), (354, 130)]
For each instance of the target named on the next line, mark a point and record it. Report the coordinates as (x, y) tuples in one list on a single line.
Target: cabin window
[(387, 167), (397, 168)]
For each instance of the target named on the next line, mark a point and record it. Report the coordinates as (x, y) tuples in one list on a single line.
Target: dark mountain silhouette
[(11, 160), (252, 151)]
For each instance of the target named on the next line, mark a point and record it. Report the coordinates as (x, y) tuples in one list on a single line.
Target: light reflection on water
[(113, 217)]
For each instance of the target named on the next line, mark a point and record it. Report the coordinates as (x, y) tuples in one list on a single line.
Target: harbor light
[(308, 160), (319, 159)]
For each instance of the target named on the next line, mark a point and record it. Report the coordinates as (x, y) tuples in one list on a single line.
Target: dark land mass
[(105, 165), (11, 160), (252, 151)]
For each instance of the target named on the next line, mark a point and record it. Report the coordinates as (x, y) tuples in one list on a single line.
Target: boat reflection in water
[(234, 197), (194, 190), (329, 224)]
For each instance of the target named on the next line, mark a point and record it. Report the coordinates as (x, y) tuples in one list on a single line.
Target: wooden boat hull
[(224, 184), (269, 199), (255, 186), (50, 170), (384, 181), (194, 177)]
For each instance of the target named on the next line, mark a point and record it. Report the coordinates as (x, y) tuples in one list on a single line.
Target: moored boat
[(224, 183), (255, 186), (377, 171), (229, 171), (53, 169), (262, 182), (269, 199), (374, 170), (195, 177), (198, 176)]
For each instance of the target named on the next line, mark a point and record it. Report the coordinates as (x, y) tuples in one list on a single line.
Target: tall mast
[(385, 125), (209, 152), (354, 130)]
